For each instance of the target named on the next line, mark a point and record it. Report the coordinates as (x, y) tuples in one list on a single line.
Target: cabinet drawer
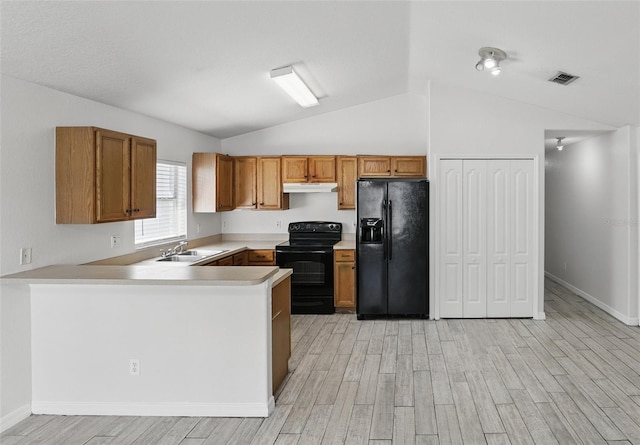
[(345, 255), (227, 261), (261, 256)]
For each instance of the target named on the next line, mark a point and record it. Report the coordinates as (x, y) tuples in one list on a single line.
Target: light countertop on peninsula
[(150, 275)]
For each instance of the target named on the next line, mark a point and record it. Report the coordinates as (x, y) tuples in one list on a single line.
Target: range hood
[(309, 187)]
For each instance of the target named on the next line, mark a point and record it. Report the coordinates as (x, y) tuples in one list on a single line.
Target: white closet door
[(499, 206), (450, 238), (474, 239), (522, 256)]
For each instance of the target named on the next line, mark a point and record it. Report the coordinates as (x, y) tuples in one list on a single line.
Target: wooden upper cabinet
[(244, 179), (295, 169), (322, 169), (413, 166), (224, 183), (143, 177), (374, 166), (308, 169), (103, 176), (269, 179), (212, 182), (347, 175), (392, 166)]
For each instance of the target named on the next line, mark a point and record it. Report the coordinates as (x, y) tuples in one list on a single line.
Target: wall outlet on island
[(115, 241), (134, 366), (25, 255)]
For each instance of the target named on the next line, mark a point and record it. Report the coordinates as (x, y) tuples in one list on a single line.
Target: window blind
[(170, 222)]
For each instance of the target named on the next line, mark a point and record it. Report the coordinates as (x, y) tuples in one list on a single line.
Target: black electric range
[(309, 252)]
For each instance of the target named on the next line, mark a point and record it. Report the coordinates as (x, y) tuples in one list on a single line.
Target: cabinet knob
[(388, 171), (353, 268), (262, 203)]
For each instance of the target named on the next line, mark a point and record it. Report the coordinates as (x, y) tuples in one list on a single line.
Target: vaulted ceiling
[(205, 64)]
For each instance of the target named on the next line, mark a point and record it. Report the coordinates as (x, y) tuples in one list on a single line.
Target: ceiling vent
[(563, 78)]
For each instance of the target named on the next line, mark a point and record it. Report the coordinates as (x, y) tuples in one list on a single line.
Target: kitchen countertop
[(155, 274), (345, 245)]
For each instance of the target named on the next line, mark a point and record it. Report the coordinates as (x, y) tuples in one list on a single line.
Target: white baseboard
[(155, 409), (631, 321), (14, 417), (540, 316)]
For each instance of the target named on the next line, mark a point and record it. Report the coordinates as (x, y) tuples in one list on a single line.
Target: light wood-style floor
[(574, 378)]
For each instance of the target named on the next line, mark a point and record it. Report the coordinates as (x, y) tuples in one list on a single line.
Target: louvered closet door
[(474, 239), (450, 239)]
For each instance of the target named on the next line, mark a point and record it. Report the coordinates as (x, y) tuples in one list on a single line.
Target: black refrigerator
[(392, 247)]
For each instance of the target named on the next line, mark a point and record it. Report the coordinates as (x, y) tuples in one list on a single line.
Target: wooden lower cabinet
[(240, 259), (280, 332), (344, 274), (261, 257), (226, 261)]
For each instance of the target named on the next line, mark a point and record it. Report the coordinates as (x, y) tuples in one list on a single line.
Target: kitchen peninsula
[(155, 339)]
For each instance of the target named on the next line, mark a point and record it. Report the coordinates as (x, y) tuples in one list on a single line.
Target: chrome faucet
[(175, 250)]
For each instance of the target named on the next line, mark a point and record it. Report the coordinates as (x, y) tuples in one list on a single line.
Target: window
[(170, 223)]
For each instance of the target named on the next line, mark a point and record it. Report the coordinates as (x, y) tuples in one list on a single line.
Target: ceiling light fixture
[(490, 59), (560, 145), (293, 85)]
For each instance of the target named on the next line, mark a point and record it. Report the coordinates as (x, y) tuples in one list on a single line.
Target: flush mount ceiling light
[(560, 145), (490, 59), (293, 85)]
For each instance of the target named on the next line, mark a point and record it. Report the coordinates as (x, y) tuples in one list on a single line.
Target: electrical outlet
[(115, 241), (279, 224), (224, 223), (197, 228), (134, 366), (25, 255)]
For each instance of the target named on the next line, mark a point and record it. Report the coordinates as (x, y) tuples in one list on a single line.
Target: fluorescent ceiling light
[(291, 83)]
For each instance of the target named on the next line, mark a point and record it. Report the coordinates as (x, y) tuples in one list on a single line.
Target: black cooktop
[(311, 234)]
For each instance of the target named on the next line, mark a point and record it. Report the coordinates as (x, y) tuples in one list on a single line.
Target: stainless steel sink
[(202, 253), (178, 258), (191, 256)]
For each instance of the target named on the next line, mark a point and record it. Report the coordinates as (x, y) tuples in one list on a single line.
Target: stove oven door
[(312, 279)]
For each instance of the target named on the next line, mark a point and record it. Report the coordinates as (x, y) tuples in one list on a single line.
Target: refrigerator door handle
[(384, 229), (390, 237)]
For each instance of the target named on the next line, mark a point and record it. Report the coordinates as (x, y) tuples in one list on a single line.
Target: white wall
[(468, 123), (395, 125), (591, 222), (30, 114)]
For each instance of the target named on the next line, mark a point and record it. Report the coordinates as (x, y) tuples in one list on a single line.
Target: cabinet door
[(409, 166), (322, 169), (270, 195), (374, 166), (347, 176), (345, 275), (245, 186), (226, 261), (295, 169), (224, 183), (143, 178), (113, 176)]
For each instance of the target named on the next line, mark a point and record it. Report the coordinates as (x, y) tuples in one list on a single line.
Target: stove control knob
[(332, 227), (296, 227)]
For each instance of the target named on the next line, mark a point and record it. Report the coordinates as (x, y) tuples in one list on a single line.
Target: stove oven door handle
[(304, 251)]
